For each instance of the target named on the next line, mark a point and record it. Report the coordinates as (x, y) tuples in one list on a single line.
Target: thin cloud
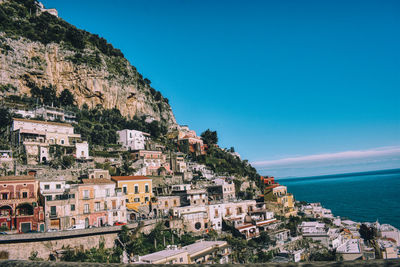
[(345, 155)]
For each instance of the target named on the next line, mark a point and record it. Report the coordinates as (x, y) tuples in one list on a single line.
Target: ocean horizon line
[(338, 175)]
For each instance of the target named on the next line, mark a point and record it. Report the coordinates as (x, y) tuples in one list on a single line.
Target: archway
[(24, 209), (6, 211)]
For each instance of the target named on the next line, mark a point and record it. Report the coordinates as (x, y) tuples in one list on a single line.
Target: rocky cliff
[(68, 58)]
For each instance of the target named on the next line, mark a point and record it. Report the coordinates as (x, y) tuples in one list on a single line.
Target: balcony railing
[(18, 195)]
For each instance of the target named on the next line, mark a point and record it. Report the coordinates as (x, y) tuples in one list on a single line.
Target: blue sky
[(276, 79)]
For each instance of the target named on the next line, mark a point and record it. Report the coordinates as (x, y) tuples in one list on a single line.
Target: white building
[(51, 189), (47, 113), (350, 250), (233, 211), (82, 150), (202, 252), (181, 187), (132, 139), (388, 231)]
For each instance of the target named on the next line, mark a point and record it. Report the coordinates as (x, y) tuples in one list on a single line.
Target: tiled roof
[(44, 122), (97, 181), (129, 178)]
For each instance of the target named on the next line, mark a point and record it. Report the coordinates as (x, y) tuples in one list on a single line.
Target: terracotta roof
[(129, 178), (97, 181), (245, 226), (44, 122), (12, 178), (269, 222), (272, 186)]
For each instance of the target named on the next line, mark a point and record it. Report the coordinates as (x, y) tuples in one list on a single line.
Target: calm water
[(362, 197)]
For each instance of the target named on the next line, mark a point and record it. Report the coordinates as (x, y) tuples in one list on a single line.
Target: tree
[(68, 161), (210, 137), (49, 95), (75, 37), (5, 117), (66, 98), (367, 233), (147, 81), (154, 129)]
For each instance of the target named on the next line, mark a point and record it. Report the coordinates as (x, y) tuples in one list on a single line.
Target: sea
[(361, 197)]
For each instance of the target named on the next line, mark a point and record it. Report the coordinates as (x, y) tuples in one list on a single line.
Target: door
[(87, 223), (25, 227)]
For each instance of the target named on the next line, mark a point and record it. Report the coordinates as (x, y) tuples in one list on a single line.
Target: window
[(136, 189), (97, 207), (71, 196), (53, 211), (62, 141), (24, 194), (86, 194), (86, 208), (146, 199), (72, 207), (4, 195), (47, 187), (137, 199), (174, 201), (197, 226), (124, 189), (146, 188), (58, 186), (49, 198), (107, 192)]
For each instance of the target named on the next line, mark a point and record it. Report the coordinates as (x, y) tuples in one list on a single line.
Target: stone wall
[(20, 247), (389, 263), (22, 251)]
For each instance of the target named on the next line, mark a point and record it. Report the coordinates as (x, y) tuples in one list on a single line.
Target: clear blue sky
[(276, 79)]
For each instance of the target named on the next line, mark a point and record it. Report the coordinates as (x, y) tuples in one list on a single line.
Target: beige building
[(39, 139), (195, 218), (166, 203), (95, 202)]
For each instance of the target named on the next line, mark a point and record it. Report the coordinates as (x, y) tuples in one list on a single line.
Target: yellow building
[(138, 190), (279, 199)]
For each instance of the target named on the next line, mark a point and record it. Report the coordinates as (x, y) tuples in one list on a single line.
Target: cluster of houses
[(45, 133), (343, 236), (30, 203)]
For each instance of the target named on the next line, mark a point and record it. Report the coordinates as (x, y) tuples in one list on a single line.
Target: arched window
[(197, 226)]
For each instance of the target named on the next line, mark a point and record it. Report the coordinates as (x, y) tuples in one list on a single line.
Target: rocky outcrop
[(92, 77)]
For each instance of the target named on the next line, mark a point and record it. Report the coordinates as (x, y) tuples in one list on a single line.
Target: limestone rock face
[(112, 82)]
